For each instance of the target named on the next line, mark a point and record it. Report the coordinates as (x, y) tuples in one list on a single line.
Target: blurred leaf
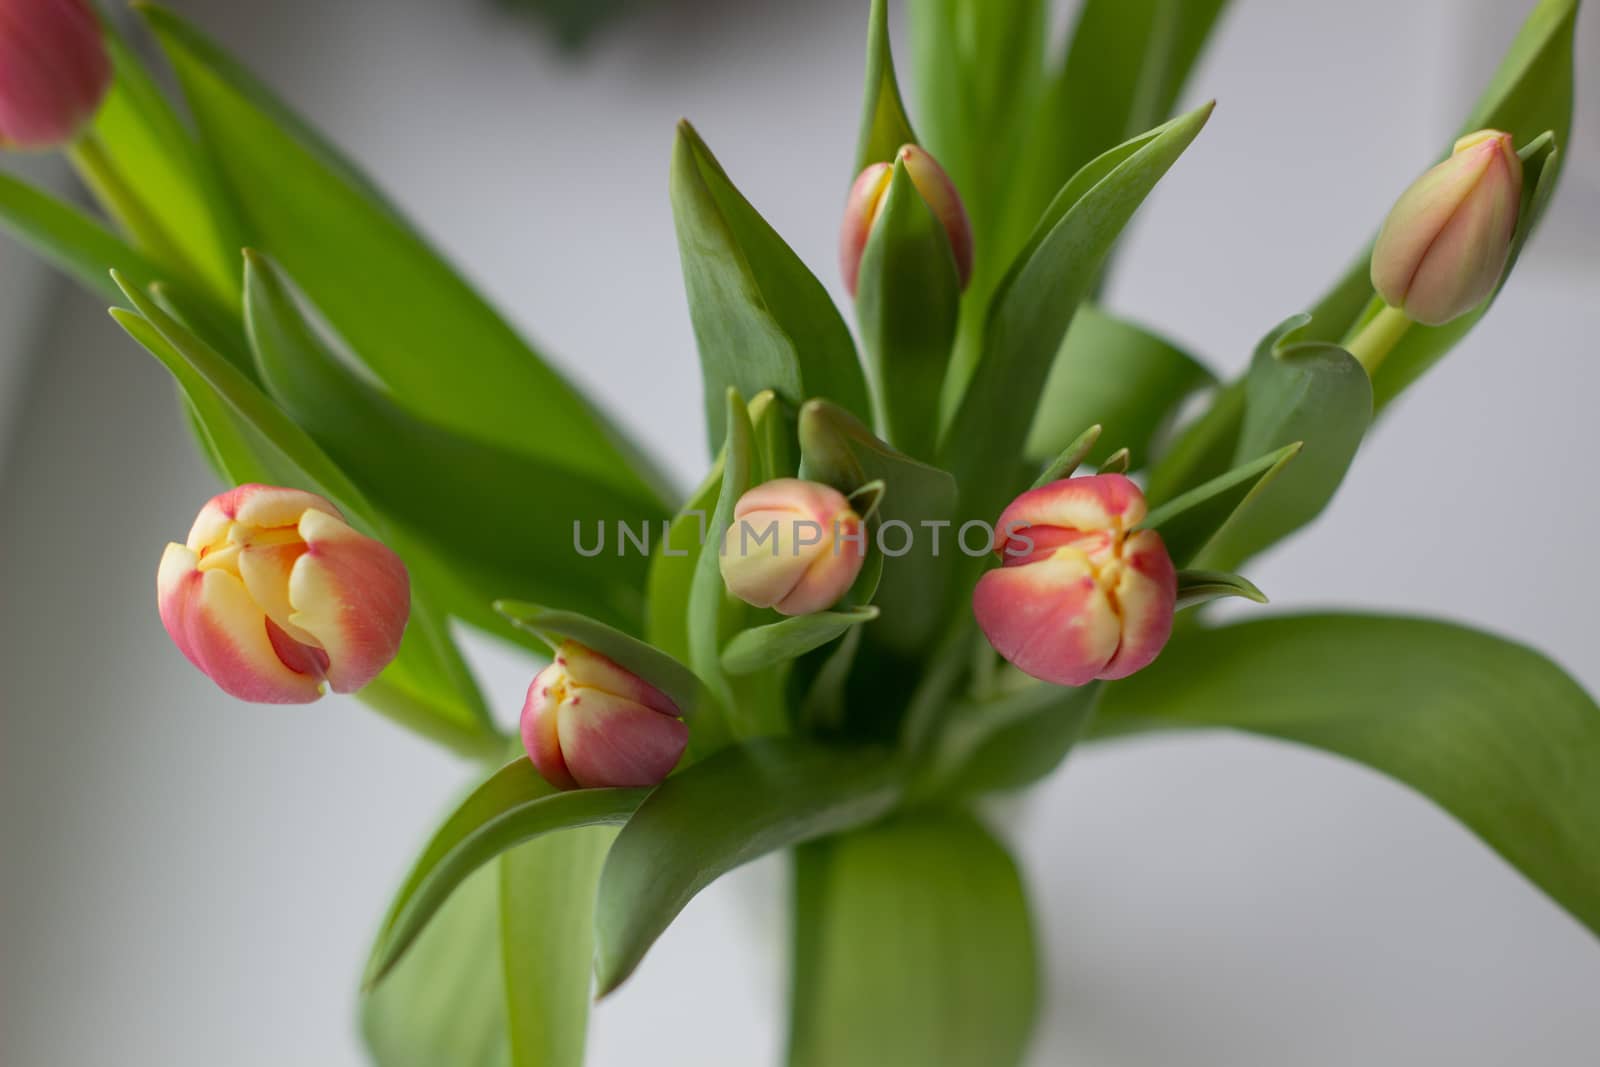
[(714, 615), (838, 450), (772, 434), (907, 301), (547, 944), (1491, 731), (1119, 462), (761, 320), (1200, 587), (513, 806), (884, 126), (1296, 391), (653, 665), (672, 569), (77, 244), (1009, 741), (736, 806), (1070, 458), (439, 348), (912, 945), (1035, 305), (1112, 372), (507, 521), (1188, 523), (778, 642)]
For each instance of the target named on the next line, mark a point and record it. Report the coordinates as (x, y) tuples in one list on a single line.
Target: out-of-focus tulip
[(53, 71), (865, 200), (794, 546), (588, 723), (1444, 245), (1079, 596), (273, 595)]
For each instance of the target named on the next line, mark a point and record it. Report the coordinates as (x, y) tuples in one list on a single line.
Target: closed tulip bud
[(273, 595), (794, 546), (53, 71), (1444, 245), (1081, 595), (588, 723), (865, 200)]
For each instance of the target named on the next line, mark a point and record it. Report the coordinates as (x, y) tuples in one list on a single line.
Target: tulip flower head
[(1445, 243), (53, 71), (273, 594), (1082, 594), (794, 546), (865, 201), (589, 723)]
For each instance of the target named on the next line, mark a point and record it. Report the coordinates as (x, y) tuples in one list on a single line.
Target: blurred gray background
[(192, 881)]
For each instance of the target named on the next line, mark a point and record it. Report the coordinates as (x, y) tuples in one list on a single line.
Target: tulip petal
[(861, 208), (833, 569), (220, 629), (1050, 618), (265, 571), (1097, 502), (540, 720), (1146, 595), (607, 740), (352, 595), (591, 670)]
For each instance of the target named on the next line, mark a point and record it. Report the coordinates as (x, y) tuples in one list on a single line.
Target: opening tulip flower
[(589, 723), (273, 595), (1081, 594), (865, 201), (794, 546), (53, 71), (1445, 243)]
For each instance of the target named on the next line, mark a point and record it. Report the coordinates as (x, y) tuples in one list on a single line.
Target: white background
[(191, 881)]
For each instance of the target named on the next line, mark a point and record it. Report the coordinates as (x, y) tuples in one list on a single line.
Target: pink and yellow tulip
[(794, 546), (273, 595), (53, 71), (1081, 594), (865, 201), (588, 723)]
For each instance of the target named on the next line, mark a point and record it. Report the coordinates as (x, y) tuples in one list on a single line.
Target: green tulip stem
[(1374, 341), (120, 200)]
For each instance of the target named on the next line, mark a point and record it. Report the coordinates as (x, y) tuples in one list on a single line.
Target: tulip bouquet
[(907, 582)]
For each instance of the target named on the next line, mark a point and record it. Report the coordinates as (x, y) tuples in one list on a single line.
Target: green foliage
[(778, 642), (884, 125)]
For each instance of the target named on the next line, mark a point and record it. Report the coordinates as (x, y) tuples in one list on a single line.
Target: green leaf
[(838, 450), (451, 489), (672, 569), (726, 811), (1035, 304), (445, 1003), (441, 351), (1491, 731), (653, 665), (908, 300), (1308, 392), (1189, 522), (1201, 587), (884, 126), (761, 320), (1114, 373), (513, 806), (714, 616), (912, 945), (78, 245), (547, 944), (779, 642), (1070, 459), (1203, 450), (1010, 741)]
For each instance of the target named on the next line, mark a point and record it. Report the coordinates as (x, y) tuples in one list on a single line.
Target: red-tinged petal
[(220, 629), (540, 733), (53, 71), (257, 506), (941, 196), (607, 740), (832, 570), (861, 208), (1049, 618), (1088, 504), (779, 552), (352, 595), (1146, 597), (591, 670)]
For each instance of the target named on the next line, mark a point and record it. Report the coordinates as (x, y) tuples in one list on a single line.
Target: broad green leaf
[(547, 944), (1312, 393), (884, 126), (1189, 522), (1201, 587), (1070, 458), (1008, 741), (77, 244), (1490, 730), (648, 662), (513, 806), (1118, 375), (442, 352), (738, 805), (912, 945), (1035, 304), (672, 569), (507, 521), (1203, 450), (778, 642), (907, 301), (838, 450), (445, 1003), (713, 615), (761, 320)]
